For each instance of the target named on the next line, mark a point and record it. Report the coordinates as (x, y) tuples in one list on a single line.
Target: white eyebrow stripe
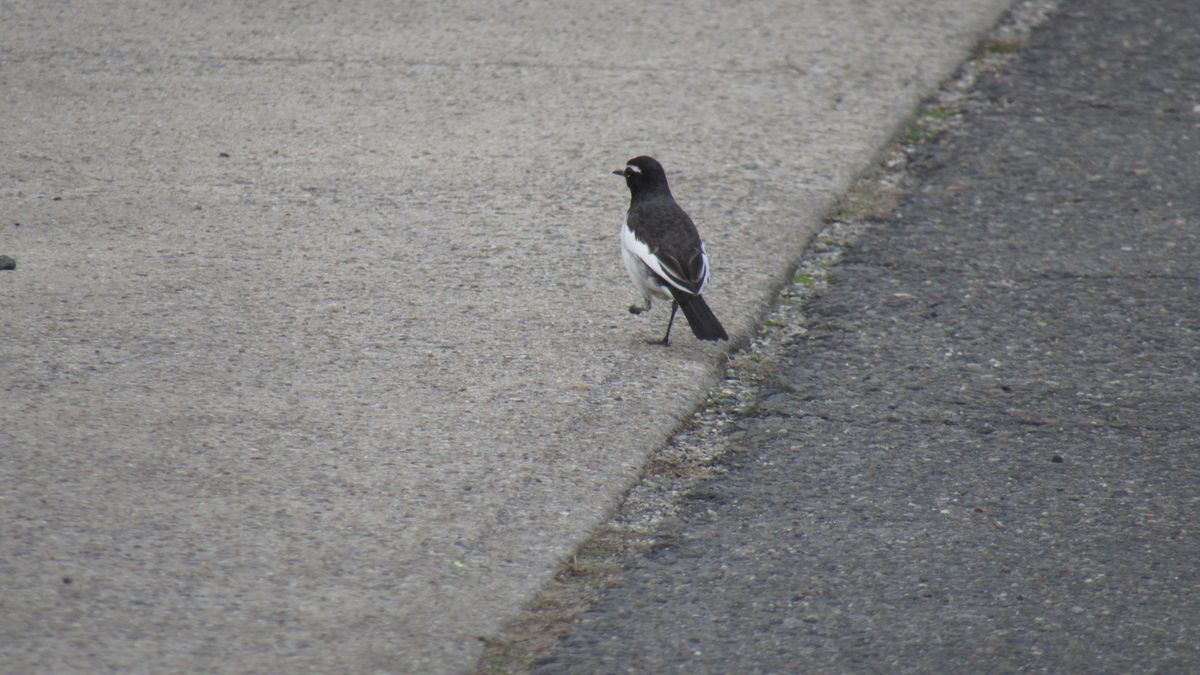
[(633, 168)]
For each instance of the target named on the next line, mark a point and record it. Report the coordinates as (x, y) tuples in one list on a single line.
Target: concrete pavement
[(316, 355)]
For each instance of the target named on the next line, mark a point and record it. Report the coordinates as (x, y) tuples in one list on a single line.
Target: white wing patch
[(631, 243)]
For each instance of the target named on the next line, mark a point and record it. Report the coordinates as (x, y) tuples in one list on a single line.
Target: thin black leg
[(667, 338)]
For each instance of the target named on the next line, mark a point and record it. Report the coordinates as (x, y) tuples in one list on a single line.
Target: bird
[(663, 252)]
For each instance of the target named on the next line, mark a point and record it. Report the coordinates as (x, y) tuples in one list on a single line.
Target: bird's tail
[(703, 322)]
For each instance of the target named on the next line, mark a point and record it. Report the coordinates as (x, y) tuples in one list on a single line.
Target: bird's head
[(644, 174)]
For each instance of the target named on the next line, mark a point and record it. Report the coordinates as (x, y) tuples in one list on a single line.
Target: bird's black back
[(657, 220)]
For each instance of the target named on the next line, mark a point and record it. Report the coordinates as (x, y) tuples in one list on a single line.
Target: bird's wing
[(687, 277)]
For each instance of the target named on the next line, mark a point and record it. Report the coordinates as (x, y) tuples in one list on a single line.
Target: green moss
[(1000, 47)]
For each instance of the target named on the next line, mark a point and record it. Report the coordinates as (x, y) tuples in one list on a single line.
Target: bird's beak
[(620, 172)]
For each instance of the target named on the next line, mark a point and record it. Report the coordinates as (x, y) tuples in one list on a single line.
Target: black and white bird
[(662, 250)]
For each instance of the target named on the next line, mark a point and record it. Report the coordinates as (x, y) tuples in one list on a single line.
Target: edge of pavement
[(693, 452)]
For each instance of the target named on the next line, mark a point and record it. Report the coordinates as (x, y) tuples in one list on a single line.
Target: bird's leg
[(667, 338)]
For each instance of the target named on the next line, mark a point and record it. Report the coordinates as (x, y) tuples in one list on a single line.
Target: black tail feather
[(703, 322)]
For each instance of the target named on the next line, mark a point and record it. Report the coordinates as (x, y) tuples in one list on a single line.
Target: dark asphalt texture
[(984, 455)]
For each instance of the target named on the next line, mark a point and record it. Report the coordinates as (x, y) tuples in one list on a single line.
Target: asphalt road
[(982, 456)]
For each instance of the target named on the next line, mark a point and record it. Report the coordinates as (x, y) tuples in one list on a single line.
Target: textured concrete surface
[(982, 455), (316, 354)]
